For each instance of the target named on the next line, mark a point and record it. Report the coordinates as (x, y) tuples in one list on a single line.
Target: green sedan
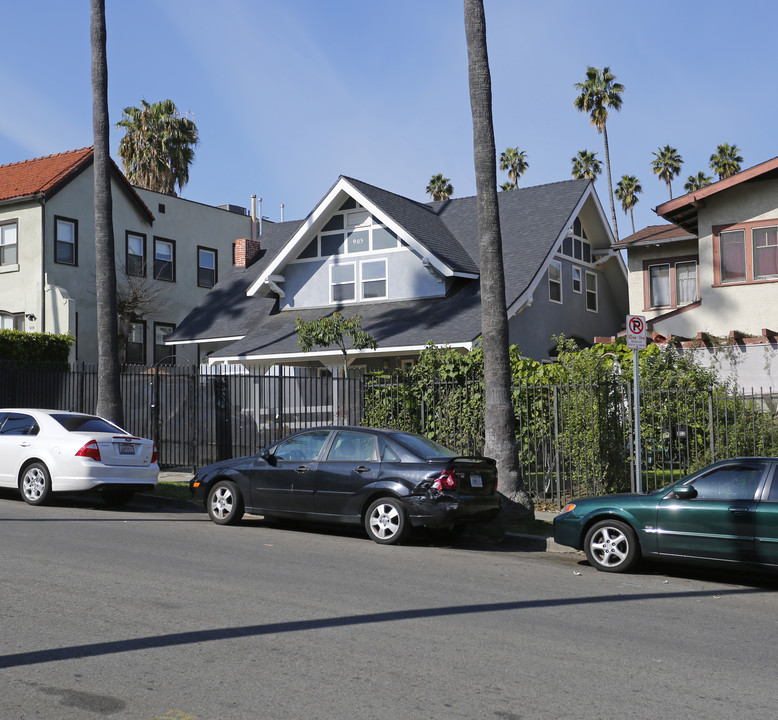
[(725, 512)]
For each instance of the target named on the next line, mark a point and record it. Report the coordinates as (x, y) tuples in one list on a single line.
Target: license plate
[(476, 481), (126, 449)]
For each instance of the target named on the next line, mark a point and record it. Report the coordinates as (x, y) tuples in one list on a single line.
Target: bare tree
[(109, 398), (136, 297), (499, 415)]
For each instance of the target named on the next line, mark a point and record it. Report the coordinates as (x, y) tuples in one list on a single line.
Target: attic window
[(350, 204), (162, 208)]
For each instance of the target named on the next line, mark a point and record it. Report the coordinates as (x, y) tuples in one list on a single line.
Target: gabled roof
[(534, 222), (413, 222), (43, 177), (655, 235), (683, 210)]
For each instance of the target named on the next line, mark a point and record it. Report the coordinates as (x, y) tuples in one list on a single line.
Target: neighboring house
[(169, 250), (714, 271), (411, 271)]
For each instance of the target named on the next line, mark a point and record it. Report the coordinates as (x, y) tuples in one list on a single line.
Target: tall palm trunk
[(499, 414), (109, 400), (610, 182)]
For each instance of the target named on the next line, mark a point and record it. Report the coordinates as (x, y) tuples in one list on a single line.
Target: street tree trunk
[(109, 400), (499, 415)]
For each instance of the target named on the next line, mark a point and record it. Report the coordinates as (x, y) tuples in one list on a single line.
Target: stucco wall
[(747, 308)]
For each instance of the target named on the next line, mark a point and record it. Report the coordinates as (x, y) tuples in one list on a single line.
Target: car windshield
[(87, 423), (422, 446)]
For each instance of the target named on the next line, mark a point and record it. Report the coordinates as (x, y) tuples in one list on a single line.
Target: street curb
[(537, 543)]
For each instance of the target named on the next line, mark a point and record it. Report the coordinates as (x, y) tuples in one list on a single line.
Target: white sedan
[(46, 451)]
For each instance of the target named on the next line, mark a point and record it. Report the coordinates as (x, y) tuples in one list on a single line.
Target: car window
[(86, 423), (302, 447), (422, 446), (389, 455), (733, 482), (358, 447), (19, 424)]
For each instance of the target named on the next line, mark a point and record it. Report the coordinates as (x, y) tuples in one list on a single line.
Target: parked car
[(47, 451), (726, 512), (385, 480)]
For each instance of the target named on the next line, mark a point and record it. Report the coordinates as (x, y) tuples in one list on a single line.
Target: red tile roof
[(41, 176)]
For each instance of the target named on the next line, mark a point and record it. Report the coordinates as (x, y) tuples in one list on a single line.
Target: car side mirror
[(685, 492), (267, 456)]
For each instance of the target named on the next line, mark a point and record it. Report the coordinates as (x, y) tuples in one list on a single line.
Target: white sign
[(636, 332)]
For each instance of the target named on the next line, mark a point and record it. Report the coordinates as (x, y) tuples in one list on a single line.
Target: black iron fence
[(573, 440)]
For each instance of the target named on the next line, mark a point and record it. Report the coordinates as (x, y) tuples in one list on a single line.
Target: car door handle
[(302, 469), (738, 509), (362, 469), (25, 443)]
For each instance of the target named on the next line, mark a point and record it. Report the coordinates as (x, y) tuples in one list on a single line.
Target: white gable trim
[(332, 201), (329, 354), (198, 341)]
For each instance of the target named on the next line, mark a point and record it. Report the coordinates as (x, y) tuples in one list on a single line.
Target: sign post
[(636, 339)]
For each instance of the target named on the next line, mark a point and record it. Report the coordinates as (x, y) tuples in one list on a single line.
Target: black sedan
[(386, 480)]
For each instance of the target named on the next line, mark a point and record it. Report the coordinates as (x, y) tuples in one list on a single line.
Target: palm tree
[(599, 93), (109, 397), (515, 163), (586, 166), (439, 188), (499, 418), (667, 165), (726, 160), (695, 182), (627, 191), (158, 146)]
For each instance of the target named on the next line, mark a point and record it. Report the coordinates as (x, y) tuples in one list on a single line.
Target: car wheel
[(385, 521), (225, 504), (611, 546), (35, 484), (117, 496)]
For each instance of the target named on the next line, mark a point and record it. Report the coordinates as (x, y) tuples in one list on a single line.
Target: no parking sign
[(636, 332)]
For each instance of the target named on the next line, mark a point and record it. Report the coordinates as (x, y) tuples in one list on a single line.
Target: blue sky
[(289, 94)]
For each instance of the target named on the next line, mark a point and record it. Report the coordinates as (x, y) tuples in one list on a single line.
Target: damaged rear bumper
[(443, 509)]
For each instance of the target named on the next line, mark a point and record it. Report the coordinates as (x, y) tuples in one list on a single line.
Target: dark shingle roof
[(532, 221)]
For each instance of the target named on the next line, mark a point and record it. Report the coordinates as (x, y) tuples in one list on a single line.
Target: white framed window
[(373, 279), (343, 283), (8, 244), (11, 321), (555, 282), (591, 291), (577, 281)]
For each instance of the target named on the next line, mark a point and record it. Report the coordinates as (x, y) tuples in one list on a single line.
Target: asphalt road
[(153, 612)]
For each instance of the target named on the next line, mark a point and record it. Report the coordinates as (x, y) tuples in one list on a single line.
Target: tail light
[(447, 480), (90, 450), (154, 454)]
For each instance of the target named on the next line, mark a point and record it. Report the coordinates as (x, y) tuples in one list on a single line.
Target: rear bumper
[(444, 509), (89, 475)]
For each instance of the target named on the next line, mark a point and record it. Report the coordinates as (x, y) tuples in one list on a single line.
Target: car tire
[(611, 546), (386, 521), (35, 484), (117, 496), (225, 503)]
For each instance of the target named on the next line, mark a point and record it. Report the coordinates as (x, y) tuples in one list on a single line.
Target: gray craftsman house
[(411, 270)]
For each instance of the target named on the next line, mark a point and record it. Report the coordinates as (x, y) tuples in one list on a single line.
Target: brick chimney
[(245, 252)]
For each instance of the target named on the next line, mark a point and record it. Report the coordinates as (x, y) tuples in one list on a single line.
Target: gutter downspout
[(42, 200)]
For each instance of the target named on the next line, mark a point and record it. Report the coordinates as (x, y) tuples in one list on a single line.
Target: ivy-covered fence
[(575, 418)]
